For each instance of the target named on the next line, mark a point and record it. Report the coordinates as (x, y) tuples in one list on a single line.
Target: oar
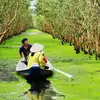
[(59, 71), (63, 73)]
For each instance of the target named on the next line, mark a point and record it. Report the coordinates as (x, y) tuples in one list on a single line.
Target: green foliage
[(38, 21), (15, 17), (65, 19), (71, 16)]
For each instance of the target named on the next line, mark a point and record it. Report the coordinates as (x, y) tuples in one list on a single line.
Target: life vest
[(37, 60)]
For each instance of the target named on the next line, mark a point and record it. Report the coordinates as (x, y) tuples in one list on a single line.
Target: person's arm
[(48, 65), (20, 53), (44, 59), (21, 56)]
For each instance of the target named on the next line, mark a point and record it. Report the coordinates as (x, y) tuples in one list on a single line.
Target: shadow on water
[(43, 90), (40, 87)]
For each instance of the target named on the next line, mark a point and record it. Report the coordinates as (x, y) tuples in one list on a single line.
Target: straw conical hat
[(36, 47)]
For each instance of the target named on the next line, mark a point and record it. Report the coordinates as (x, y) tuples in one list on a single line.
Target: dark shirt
[(25, 51)]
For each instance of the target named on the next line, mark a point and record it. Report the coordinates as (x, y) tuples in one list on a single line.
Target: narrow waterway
[(13, 87)]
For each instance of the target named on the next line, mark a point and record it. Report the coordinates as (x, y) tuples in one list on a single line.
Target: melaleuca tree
[(74, 21), (15, 17)]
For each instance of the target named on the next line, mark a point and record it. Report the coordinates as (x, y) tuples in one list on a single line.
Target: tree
[(15, 17), (74, 21)]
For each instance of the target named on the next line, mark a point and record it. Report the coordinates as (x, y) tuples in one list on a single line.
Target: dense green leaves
[(15, 17), (66, 19)]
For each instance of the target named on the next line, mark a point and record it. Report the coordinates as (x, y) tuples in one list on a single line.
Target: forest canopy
[(74, 21), (15, 17)]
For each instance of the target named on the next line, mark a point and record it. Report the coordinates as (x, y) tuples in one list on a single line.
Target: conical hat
[(36, 47)]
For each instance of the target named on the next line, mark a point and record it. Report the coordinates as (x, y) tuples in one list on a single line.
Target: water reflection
[(40, 87), (42, 90)]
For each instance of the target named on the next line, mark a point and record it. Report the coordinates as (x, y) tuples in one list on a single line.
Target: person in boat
[(36, 59), (25, 49), (38, 71)]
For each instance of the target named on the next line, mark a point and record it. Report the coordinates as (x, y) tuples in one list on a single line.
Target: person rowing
[(37, 66), (24, 50), (37, 61)]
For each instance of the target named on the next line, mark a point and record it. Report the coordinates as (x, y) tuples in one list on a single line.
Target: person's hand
[(22, 59), (46, 67)]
